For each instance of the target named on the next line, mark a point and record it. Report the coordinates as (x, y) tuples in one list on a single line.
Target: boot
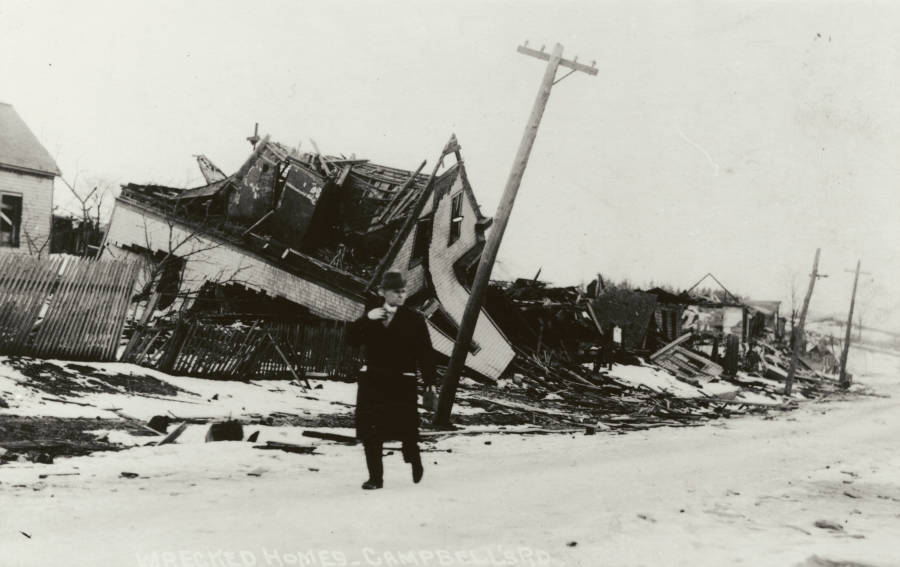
[(417, 470), (372, 484)]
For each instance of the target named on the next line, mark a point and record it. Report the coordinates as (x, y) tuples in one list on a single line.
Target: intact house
[(319, 231), (26, 187)]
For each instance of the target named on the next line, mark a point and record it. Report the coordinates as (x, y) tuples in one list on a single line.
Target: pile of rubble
[(560, 377)]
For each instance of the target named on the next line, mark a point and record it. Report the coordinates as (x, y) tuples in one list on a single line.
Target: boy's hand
[(377, 314)]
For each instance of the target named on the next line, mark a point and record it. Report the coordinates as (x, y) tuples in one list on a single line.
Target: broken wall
[(297, 201), (495, 352), (254, 195), (209, 259), (630, 310)]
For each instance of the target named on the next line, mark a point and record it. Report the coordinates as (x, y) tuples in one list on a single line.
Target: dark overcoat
[(387, 406)]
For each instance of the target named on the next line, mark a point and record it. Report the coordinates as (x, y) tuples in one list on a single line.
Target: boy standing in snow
[(396, 341)]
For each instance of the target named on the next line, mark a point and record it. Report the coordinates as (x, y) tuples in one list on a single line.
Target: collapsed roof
[(344, 212)]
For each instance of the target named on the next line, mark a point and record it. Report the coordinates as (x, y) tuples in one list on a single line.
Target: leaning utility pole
[(845, 380), (486, 264), (798, 331)]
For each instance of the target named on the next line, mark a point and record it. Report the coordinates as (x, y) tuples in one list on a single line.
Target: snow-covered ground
[(202, 398), (745, 491)]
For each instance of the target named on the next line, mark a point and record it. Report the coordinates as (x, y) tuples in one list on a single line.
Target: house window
[(420, 242), (456, 219), (10, 219)]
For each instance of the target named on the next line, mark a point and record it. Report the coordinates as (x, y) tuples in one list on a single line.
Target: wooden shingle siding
[(37, 205), (495, 353), (208, 259)]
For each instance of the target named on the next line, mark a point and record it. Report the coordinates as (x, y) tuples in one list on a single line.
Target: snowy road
[(735, 492)]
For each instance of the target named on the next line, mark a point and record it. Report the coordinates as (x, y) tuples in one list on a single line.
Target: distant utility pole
[(845, 380), (798, 332), (486, 264), (254, 139)]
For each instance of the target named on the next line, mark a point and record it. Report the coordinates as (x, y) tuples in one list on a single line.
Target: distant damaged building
[(319, 232)]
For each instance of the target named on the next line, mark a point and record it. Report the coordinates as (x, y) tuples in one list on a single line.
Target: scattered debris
[(44, 458), (226, 431), (64, 381), (32, 436), (125, 474), (288, 447), (829, 525), (171, 437), (160, 423), (345, 439), (816, 561), (685, 363)]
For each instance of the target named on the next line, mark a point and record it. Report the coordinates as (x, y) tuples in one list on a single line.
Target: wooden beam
[(670, 346)]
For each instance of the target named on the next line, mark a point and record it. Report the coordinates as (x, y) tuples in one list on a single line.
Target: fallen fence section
[(244, 350), (64, 306)]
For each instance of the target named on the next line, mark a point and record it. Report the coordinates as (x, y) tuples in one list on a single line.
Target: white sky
[(726, 137)]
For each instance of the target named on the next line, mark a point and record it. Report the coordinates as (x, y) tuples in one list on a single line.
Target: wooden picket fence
[(64, 306), (257, 349)]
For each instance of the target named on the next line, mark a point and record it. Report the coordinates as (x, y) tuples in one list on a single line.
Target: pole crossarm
[(570, 64)]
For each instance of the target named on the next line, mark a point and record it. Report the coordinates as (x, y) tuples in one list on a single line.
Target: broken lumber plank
[(560, 415), (577, 376), (497, 430), (194, 420), (257, 223), (287, 362), (331, 437), (670, 346), (287, 447), (62, 401), (151, 396), (171, 437), (55, 446)]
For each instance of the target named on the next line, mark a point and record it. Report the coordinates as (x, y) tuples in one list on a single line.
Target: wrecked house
[(555, 321), (632, 311), (714, 314), (821, 355), (571, 321), (318, 232), (765, 319)]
